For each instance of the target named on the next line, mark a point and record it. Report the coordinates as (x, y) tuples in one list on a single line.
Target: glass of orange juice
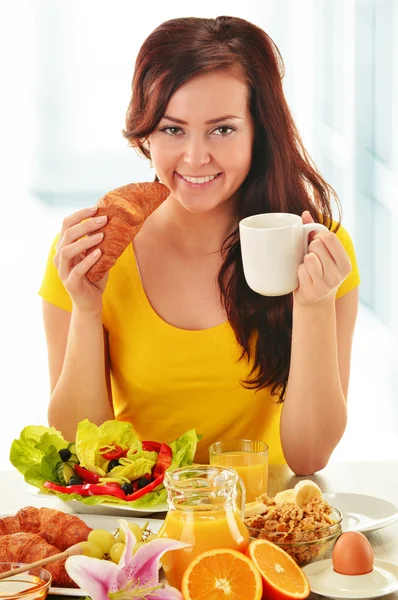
[(203, 512), (249, 459)]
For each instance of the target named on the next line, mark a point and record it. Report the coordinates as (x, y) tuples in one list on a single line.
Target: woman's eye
[(223, 128), (171, 130)]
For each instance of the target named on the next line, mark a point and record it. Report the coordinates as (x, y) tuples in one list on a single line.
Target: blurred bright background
[(66, 70)]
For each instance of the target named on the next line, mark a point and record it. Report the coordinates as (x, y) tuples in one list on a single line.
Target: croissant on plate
[(27, 548), (127, 208), (57, 528)]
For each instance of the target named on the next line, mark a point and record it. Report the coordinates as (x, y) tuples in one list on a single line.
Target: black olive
[(142, 482), (65, 454), (112, 464), (75, 480), (127, 488)]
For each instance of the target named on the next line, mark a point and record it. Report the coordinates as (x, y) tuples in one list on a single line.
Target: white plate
[(110, 509), (106, 508), (67, 592), (363, 513), (325, 581), (110, 524)]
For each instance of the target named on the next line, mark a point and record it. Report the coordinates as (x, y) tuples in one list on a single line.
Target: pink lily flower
[(134, 578)]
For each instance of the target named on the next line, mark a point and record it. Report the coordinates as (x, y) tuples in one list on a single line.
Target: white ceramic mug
[(273, 247)]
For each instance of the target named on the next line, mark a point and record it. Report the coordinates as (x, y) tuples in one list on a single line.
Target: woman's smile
[(199, 183)]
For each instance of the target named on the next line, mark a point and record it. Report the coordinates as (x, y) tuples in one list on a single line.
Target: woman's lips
[(199, 186)]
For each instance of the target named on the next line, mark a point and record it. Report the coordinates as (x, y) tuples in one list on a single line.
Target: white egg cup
[(325, 581)]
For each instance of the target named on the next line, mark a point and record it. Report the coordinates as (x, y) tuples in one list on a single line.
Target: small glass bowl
[(29, 585), (305, 546)]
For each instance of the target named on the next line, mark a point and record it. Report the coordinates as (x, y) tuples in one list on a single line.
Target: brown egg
[(352, 554)]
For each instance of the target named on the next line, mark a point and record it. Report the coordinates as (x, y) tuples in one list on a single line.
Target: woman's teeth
[(199, 179)]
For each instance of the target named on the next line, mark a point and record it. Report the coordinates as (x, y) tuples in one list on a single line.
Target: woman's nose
[(196, 153)]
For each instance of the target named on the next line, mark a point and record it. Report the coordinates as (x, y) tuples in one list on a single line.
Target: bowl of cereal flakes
[(298, 520)]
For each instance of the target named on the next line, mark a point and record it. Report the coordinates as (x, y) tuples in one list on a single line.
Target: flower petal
[(96, 577), (130, 541), (167, 593), (145, 564)]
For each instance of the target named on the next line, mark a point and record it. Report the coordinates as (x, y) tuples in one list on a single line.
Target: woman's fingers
[(81, 229), (76, 253), (323, 248), (313, 266), (76, 231), (78, 272), (77, 217), (336, 251), (68, 254)]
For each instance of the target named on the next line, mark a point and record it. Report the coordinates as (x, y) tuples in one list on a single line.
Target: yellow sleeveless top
[(167, 380)]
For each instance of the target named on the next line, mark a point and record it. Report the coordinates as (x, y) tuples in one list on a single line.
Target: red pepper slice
[(151, 446), (93, 489), (145, 490), (70, 489), (114, 453), (163, 462), (86, 475)]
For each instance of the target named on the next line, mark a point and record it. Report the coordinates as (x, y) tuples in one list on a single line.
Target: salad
[(104, 464)]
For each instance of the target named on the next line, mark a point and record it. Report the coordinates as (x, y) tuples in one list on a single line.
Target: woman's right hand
[(73, 262)]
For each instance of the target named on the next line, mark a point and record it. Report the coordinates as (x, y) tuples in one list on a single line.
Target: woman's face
[(206, 131)]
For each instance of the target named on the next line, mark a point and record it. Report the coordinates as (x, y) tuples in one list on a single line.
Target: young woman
[(174, 338)]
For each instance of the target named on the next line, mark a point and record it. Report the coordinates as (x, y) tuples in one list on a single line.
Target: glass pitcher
[(203, 512)]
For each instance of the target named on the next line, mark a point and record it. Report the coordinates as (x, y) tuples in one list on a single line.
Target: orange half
[(221, 575), (282, 577)]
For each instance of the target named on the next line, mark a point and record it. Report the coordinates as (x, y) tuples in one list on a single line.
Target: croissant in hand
[(127, 208)]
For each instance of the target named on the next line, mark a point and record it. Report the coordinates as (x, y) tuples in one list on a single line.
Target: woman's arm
[(79, 370), (314, 414)]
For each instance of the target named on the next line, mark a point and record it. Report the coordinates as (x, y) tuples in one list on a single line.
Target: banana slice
[(255, 508), (285, 496), (306, 490)]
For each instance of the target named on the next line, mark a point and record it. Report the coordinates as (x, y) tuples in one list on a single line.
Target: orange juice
[(204, 529), (252, 467)]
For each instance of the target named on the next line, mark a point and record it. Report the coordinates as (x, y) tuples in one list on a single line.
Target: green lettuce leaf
[(35, 455), (184, 449), (33, 444), (90, 438), (133, 466)]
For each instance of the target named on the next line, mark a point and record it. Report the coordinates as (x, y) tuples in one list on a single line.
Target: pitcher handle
[(242, 496)]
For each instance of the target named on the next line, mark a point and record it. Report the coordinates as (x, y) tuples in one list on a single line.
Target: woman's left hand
[(325, 267)]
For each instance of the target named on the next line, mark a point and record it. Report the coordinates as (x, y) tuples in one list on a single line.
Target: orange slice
[(282, 577), (222, 575)]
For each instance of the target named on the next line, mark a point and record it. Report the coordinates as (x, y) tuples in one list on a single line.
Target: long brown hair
[(282, 177)]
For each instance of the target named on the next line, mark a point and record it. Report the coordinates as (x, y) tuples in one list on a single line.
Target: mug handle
[(242, 496), (308, 227)]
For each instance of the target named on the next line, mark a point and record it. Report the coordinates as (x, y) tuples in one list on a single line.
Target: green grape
[(137, 546), (116, 551), (120, 537), (92, 550), (102, 538), (151, 537), (135, 529)]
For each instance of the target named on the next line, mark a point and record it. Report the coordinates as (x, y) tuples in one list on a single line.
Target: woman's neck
[(196, 234)]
